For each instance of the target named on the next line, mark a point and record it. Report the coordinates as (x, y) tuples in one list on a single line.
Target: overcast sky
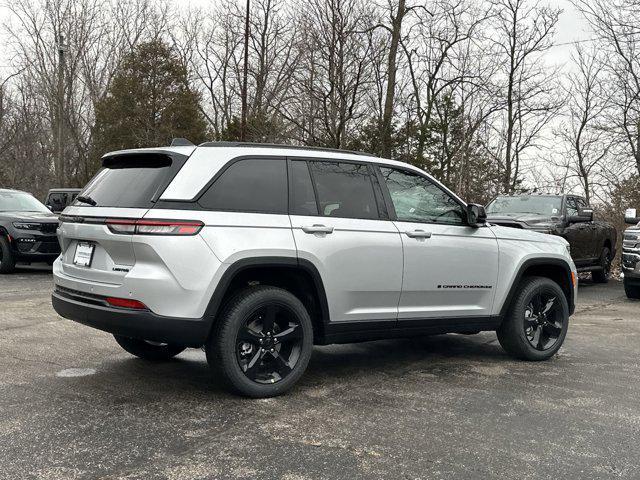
[(571, 27)]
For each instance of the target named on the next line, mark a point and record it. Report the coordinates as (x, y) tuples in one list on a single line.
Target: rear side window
[(251, 185), (131, 180), (344, 190), (303, 200)]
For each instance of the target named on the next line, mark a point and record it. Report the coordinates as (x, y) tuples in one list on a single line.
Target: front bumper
[(34, 247), (92, 310)]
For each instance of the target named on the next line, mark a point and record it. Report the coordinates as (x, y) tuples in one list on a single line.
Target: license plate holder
[(84, 254)]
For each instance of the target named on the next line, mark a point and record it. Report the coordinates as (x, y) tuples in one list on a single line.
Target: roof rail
[(277, 145)]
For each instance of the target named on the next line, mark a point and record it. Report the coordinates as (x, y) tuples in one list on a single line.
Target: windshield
[(541, 205), (20, 202)]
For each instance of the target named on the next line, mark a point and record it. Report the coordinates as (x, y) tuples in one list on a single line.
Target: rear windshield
[(132, 181)]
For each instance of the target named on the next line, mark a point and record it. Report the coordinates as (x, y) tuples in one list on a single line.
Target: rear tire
[(148, 350), (7, 259), (262, 342), (536, 325), (602, 276), (632, 291)]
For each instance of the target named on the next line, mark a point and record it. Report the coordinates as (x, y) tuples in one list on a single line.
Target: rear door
[(125, 188), (340, 224)]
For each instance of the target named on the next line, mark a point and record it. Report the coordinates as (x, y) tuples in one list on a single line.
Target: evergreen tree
[(148, 103)]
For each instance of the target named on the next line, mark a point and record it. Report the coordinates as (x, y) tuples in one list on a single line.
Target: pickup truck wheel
[(536, 325), (7, 260), (602, 276), (632, 291), (147, 349), (262, 342)]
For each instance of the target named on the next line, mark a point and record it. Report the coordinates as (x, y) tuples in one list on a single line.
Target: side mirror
[(50, 207), (476, 215), (631, 216), (585, 214)]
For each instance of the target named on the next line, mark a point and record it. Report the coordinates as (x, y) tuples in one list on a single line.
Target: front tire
[(632, 291), (602, 276), (262, 342), (7, 259), (148, 350), (537, 322)]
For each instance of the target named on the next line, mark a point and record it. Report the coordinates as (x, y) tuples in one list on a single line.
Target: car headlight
[(26, 225)]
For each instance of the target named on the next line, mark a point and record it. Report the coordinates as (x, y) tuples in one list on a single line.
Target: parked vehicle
[(59, 198), (593, 243), (631, 255), (258, 252), (27, 230)]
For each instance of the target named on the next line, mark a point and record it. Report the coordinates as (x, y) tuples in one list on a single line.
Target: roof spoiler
[(181, 142)]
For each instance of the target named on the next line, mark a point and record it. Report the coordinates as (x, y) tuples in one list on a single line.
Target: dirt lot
[(448, 406)]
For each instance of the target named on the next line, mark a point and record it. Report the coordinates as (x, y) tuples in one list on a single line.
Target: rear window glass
[(252, 185), (130, 181)]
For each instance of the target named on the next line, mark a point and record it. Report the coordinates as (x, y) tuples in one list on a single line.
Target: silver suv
[(258, 252)]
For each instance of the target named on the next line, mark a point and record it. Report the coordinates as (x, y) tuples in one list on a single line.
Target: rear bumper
[(141, 324)]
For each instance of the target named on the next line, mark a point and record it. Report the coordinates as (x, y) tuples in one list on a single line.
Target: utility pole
[(60, 112), (243, 120)]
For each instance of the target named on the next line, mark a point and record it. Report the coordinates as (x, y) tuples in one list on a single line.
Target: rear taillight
[(154, 227), (126, 303)]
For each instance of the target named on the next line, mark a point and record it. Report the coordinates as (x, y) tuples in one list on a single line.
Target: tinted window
[(416, 199), (572, 207), (344, 190), (58, 199), (252, 185), (130, 181), (303, 200)]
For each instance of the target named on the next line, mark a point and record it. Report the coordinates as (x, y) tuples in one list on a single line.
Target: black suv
[(593, 243), (60, 198), (27, 230)]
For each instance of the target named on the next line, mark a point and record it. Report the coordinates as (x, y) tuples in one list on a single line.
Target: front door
[(578, 234), (338, 226), (450, 268)]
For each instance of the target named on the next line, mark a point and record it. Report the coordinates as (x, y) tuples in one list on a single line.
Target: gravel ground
[(74, 405)]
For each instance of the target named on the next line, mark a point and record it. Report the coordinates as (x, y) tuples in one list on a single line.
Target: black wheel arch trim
[(539, 262), (216, 302)]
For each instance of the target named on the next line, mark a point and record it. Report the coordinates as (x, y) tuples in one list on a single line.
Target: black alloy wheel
[(602, 276), (262, 341), (537, 322), (269, 344), (543, 321)]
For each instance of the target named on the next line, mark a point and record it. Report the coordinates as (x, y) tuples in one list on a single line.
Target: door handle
[(317, 228), (418, 234)]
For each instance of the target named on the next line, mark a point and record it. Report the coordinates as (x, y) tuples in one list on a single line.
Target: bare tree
[(585, 132), (524, 32), (619, 37)]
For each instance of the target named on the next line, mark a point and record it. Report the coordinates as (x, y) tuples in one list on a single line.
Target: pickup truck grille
[(631, 240), (630, 260)]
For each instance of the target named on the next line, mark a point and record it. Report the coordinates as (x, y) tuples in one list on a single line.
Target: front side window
[(344, 190), (416, 199), (252, 185), (572, 207)]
